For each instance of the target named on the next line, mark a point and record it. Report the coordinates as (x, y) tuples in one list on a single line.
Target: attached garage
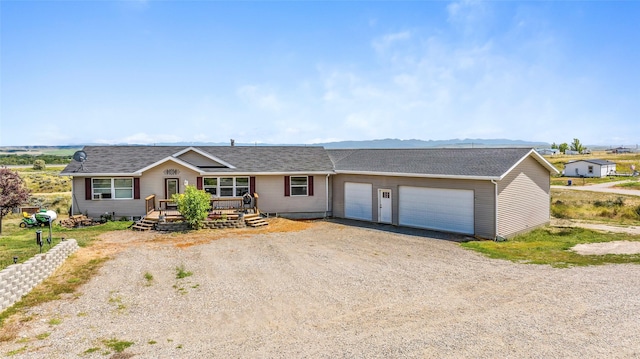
[(449, 210), (357, 201)]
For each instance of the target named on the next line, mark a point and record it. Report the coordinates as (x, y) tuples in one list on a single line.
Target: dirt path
[(330, 290), (603, 187)]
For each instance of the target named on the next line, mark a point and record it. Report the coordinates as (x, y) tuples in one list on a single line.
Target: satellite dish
[(80, 156)]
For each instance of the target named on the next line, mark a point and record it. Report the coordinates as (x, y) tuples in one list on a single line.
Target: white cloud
[(385, 42), (257, 96)]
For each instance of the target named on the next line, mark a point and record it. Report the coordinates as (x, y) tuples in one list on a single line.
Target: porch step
[(144, 225), (254, 220)]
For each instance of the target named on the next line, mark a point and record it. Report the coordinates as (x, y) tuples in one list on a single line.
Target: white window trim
[(113, 189), (291, 186), (234, 187)]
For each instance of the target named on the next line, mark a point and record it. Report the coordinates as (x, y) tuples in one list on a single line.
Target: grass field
[(623, 165), (595, 206), (551, 246)]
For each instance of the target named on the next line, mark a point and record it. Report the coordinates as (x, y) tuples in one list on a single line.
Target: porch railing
[(150, 203)]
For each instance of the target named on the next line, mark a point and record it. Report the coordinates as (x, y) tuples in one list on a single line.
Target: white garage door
[(357, 201), (448, 210)]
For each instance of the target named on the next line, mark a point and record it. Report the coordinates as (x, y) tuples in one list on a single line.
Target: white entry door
[(384, 205)]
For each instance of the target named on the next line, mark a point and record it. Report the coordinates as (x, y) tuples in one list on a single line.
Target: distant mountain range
[(390, 143), (381, 143)]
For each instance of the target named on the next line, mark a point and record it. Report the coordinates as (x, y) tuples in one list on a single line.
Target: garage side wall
[(483, 196), (523, 198)]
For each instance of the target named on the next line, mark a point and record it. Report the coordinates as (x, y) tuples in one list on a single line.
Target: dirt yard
[(330, 290)]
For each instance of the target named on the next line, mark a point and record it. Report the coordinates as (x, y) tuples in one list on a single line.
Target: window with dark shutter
[(287, 186), (136, 188), (87, 189)]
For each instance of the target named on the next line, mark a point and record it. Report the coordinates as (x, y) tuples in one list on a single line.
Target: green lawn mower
[(38, 219)]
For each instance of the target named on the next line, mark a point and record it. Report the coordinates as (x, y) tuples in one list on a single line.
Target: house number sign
[(171, 172)]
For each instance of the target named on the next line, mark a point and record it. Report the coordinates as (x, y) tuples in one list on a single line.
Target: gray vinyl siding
[(523, 198), (96, 208), (151, 182), (483, 196), (271, 199)]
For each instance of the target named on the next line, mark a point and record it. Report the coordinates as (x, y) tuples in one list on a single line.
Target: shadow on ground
[(417, 232)]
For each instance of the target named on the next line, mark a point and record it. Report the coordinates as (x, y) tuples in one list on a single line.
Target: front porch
[(221, 209)]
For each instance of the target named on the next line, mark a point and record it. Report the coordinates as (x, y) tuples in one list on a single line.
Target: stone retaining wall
[(18, 279), (184, 226)]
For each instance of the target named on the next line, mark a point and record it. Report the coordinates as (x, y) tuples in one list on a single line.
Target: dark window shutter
[(87, 189), (199, 182), (252, 185), (287, 186), (136, 188), (310, 186)]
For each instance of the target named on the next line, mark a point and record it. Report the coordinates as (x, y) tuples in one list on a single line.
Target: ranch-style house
[(485, 192)]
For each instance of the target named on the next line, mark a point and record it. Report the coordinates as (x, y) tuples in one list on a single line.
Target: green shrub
[(193, 205), (39, 165)]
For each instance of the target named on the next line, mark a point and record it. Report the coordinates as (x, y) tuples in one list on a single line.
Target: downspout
[(326, 188), (495, 209)]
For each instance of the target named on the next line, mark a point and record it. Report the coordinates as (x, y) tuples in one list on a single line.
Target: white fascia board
[(418, 175), (86, 174), (172, 159), (205, 154), (230, 174)]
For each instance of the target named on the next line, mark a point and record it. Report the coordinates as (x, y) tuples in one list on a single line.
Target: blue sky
[(306, 72)]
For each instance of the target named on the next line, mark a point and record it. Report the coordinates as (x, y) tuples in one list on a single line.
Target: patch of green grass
[(43, 336), (91, 350), (117, 345), (182, 273), (117, 300), (149, 277), (151, 342), (629, 185), (20, 242), (55, 321), (551, 246), (17, 351)]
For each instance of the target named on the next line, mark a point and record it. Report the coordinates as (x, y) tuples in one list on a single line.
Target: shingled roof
[(244, 159), (594, 161), (482, 163), (490, 163)]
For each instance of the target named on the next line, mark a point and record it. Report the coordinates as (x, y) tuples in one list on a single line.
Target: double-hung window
[(299, 185), (112, 188), (226, 186)]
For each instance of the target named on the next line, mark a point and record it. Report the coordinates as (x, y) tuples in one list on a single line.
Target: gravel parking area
[(333, 291)]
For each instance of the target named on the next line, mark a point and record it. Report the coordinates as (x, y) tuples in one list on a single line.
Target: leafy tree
[(13, 192), (563, 147), (554, 146), (194, 205), (39, 165), (577, 146)]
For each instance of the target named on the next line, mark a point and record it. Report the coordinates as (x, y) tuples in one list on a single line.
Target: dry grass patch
[(594, 206)]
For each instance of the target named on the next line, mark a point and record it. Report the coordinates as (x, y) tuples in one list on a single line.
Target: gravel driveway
[(335, 290)]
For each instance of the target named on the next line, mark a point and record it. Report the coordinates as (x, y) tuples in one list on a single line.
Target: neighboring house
[(571, 153), (548, 151), (621, 150), (481, 192), (589, 168)]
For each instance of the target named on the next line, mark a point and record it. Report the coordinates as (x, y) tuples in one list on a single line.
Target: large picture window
[(226, 186), (299, 185), (112, 188)]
